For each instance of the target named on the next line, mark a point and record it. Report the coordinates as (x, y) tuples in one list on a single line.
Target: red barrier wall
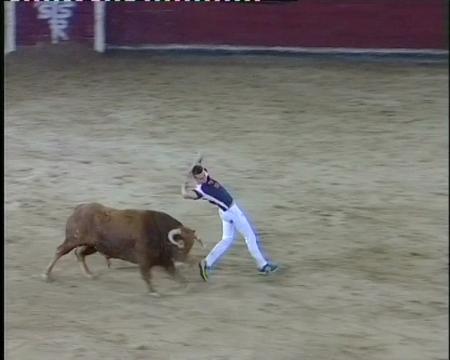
[(414, 24), (368, 24)]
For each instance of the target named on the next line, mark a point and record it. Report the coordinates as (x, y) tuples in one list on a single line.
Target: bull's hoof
[(46, 277), (182, 284), (91, 276), (182, 289), (154, 294)]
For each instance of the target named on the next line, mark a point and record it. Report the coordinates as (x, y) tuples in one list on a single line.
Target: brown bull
[(144, 237)]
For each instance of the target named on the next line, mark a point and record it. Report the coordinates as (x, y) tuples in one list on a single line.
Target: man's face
[(201, 178)]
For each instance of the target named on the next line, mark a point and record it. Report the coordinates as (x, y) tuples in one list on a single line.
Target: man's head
[(199, 173)]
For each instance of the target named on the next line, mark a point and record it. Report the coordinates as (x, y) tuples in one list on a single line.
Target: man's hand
[(187, 191), (184, 189), (187, 186)]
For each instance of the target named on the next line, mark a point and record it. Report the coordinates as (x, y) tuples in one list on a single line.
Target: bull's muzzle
[(200, 242)]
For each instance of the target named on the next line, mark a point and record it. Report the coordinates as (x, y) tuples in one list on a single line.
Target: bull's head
[(188, 237)]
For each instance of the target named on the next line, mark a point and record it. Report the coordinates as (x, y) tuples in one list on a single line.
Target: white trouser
[(233, 219)]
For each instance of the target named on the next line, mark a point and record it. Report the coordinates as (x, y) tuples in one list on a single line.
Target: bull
[(147, 238)]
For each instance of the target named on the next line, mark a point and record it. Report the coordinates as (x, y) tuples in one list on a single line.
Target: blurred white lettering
[(57, 15)]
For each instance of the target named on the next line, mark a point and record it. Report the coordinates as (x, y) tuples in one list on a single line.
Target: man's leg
[(243, 226), (228, 233)]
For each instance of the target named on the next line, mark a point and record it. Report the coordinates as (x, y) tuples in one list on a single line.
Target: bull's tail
[(171, 237)]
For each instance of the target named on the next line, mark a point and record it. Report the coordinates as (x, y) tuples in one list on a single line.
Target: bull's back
[(120, 233), (162, 219), (126, 233), (82, 221)]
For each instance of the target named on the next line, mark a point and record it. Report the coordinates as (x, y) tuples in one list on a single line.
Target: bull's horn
[(171, 236), (200, 242)]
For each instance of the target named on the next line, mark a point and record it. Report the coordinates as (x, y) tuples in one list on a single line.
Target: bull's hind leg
[(61, 250), (81, 253), (176, 275), (108, 261)]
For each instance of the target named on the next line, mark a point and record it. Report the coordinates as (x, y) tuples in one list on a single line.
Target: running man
[(232, 219)]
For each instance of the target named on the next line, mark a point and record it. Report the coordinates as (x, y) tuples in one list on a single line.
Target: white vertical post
[(10, 26), (99, 26)]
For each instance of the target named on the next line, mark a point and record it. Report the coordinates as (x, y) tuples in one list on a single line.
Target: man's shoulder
[(213, 182)]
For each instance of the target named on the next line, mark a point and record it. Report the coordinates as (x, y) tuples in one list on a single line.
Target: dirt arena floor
[(342, 166)]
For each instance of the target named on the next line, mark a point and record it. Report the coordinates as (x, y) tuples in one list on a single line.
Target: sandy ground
[(343, 168)]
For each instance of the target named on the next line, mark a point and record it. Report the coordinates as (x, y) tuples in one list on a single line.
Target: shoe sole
[(269, 272), (203, 273)]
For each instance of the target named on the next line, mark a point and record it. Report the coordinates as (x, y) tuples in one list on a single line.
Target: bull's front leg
[(145, 270), (176, 275)]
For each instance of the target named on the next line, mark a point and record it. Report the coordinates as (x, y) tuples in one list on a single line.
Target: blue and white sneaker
[(268, 268)]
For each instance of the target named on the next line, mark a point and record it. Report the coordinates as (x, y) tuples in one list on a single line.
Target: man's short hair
[(197, 169)]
